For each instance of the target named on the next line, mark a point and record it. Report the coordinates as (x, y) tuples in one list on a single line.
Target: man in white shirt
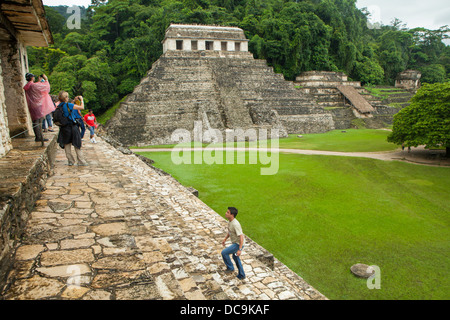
[(237, 243)]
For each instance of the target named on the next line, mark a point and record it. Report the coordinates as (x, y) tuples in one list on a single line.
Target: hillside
[(119, 41)]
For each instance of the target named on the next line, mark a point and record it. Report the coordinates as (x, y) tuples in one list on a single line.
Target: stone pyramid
[(222, 89)]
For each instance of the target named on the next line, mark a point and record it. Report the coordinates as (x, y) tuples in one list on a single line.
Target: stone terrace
[(119, 229)]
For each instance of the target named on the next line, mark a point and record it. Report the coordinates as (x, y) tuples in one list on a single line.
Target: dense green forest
[(118, 42)]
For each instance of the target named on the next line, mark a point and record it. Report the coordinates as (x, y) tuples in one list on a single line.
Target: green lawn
[(383, 93), (349, 140), (320, 215)]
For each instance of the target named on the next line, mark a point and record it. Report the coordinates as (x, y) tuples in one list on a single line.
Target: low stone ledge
[(193, 191), (113, 142), (24, 171), (264, 256)]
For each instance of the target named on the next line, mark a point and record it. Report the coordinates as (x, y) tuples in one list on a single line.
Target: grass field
[(350, 140), (320, 215)]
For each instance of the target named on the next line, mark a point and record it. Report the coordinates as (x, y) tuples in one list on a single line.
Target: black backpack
[(58, 116)]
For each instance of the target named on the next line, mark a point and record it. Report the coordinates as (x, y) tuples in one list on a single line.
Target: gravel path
[(418, 155)]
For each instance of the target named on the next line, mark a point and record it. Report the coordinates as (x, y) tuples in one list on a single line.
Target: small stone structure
[(199, 38), (223, 88), (408, 79), (345, 100)]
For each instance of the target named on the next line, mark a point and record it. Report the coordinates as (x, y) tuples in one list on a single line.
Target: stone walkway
[(118, 229)]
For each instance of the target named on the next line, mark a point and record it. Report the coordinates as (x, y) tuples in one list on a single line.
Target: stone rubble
[(117, 229)]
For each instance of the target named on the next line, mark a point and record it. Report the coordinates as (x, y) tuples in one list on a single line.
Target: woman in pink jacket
[(39, 103)]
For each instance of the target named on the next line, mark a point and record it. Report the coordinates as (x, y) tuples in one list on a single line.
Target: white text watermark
[(374, 281), (228, 149), (374, 19), (74, 21)]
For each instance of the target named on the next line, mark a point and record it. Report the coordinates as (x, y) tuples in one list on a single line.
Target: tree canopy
[(426, 121), (119, 40)]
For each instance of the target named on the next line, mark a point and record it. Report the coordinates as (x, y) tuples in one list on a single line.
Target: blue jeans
[(48, 119), (226, 258), (92, 130), (83, 129)]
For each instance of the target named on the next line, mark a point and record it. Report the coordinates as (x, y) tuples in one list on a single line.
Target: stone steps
[(330, 97), (249, 80), (399, 98), (193, 92)]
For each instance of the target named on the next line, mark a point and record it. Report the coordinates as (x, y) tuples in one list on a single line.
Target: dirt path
[(418, 155)]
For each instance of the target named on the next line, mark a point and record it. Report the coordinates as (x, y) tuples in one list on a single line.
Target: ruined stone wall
[(308, 123), (324, 79), (382, 117), (14, 63), (24, 171), (342, 117), (408, 79)]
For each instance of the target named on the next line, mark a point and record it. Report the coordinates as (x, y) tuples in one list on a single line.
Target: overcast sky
[(430, 14)]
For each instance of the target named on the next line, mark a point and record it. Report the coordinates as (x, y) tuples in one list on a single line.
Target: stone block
[(60, 257)]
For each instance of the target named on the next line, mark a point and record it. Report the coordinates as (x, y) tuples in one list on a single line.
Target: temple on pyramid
[(207, 74)]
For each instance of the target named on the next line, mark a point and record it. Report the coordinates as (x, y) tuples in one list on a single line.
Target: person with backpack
[(69, 134)]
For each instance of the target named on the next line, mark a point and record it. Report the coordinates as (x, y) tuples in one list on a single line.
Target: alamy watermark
[(75, 275), (374, 281), (374, 19), (232, 153), (74, 21)]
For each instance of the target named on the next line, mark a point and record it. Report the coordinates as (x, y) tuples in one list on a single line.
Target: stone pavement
[(119, 229)]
